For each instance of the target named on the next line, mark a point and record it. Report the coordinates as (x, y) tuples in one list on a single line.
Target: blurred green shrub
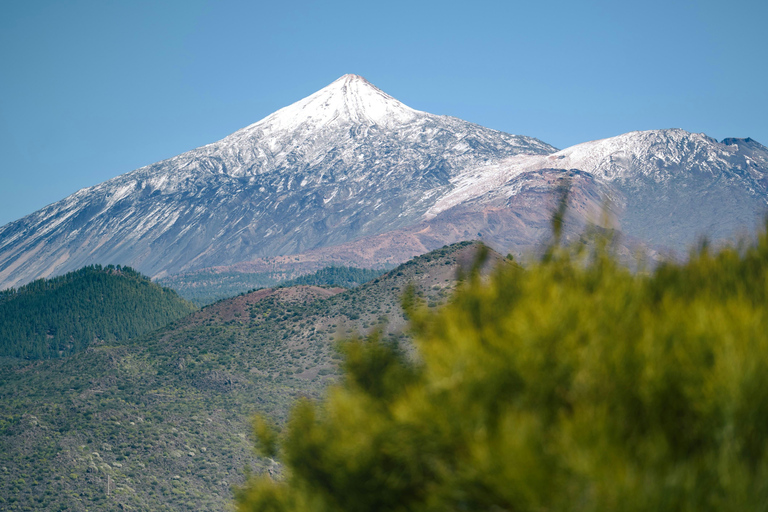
[(568, 385)]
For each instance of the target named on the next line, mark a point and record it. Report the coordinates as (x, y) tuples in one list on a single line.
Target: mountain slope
[(344, 163), (164, 418), (663, 188), (350, 176)]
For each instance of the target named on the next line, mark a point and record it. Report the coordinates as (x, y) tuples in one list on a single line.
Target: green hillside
[(165, 417), (58, 317)]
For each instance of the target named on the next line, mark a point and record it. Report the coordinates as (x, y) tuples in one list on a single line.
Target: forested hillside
[(345, 277), (163, 419), (203, 287), (57, 317), (206, 287)]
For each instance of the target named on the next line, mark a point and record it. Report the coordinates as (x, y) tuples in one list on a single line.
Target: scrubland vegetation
[(162, 419), (569, 383)]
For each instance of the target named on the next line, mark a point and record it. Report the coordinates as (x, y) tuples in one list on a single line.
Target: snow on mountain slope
[(350, 167), (671, 185), (656, 154), (344, 163)]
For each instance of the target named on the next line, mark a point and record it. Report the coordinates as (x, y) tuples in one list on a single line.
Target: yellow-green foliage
[(559, 386)]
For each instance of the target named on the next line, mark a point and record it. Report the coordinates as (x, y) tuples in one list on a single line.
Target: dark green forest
[(50, 318)]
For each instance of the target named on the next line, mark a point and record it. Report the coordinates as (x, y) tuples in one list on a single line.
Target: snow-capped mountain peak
[(346, 162), (349, 99), (350, 164), (652, 156), (650, 152)]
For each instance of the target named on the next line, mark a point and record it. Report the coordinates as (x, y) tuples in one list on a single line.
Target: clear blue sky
[(93, 89)]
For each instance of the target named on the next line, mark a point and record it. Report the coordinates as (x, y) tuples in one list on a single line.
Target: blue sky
[(93, 89)]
